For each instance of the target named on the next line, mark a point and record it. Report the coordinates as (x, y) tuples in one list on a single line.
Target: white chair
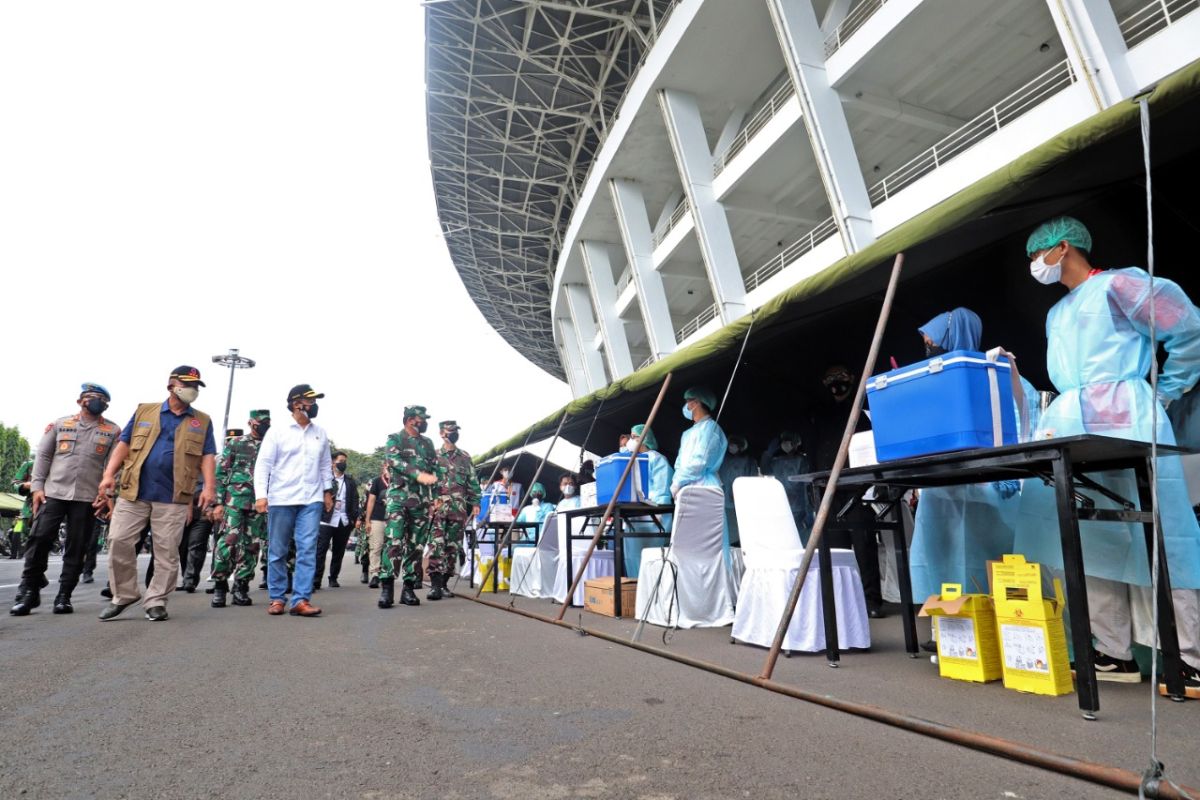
[(772, 551), (601, 565), (534, 568), (688, 585)]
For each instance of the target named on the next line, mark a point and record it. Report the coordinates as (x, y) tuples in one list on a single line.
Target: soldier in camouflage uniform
[(244, 529), (19, 537), (413, 466), (459, 496)]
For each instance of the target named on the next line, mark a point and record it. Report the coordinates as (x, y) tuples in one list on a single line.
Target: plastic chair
[(534, 568), (772, 551), (688, 584)]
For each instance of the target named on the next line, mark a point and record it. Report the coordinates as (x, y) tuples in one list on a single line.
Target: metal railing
[(699, 321), (790, 253), (677, 216), (1153, 17), (1041, 88), (853, 21), (647, 362), (755, 124)]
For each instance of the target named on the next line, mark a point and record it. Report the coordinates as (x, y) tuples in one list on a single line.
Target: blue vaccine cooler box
[(609, 471), (956, 401)]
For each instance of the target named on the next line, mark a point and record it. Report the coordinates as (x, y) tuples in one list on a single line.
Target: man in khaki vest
[(162, 451)]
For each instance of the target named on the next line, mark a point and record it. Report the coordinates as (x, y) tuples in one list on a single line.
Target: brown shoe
[(304, 609), (275, 608)]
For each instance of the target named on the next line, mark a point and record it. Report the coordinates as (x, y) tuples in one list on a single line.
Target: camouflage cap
[(415, 411), (448, 425), (260, 413)]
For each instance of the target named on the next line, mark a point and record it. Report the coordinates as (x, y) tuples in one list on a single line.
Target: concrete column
[(828, 132), (689, 143), (572, 358), (1095, 47), (638, 239), (598, 265), (580, 305)]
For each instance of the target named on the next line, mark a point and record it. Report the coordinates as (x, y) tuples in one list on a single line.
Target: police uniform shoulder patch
[(195, 423)]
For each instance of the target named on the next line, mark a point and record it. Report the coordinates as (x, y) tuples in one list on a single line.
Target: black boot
[(387, 588), (436, 582), (446, 586), (241, 593), (407, 596), (62, 603), (189, 584), (220, 589), (363, 579), (374, 584), (27, 600)]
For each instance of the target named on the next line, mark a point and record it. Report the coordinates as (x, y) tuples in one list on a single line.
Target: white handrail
[(755, 124), (677, 216), (1154, 17), (699, 321), (853, 21), (793, 251), (1033, 93)]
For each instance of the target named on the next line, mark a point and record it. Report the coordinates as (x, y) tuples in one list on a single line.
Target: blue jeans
[(285, 523)]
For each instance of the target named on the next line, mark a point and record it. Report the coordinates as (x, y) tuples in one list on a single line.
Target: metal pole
[(606, 518), (228, 399), (234, 361), (827, 499)]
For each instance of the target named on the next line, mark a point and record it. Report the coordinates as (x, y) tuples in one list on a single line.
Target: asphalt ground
[(457, 700)]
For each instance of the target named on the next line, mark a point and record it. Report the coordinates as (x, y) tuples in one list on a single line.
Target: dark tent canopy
[(967, 251)]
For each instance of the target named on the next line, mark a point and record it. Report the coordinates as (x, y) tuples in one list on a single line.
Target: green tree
[(14, 449), (363, 467)]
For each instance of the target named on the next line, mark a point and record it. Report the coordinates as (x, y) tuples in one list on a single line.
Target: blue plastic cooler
[(956, 401), (609, 471)]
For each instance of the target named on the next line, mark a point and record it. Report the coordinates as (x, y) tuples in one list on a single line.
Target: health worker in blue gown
[(958, 529), (702, 448), (1099, 355), (642, 441), (536, 511)]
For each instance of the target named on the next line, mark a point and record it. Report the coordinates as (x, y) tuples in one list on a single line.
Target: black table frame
[(478, 536), (616, 533), (1064, 463)]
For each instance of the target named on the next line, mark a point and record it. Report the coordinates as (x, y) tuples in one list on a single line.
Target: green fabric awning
[(1000, 187), (10, 503)]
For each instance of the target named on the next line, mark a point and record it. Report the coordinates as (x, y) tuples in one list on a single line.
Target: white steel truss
[(519, 97)]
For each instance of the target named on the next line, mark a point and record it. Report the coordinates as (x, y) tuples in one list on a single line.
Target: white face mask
[(187, 394), (1045, 273), (568, 490), (632, 444)]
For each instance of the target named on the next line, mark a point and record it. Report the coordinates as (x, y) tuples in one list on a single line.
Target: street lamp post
[(234, 362)]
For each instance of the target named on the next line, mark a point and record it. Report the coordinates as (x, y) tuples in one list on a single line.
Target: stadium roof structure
[(519, 97)]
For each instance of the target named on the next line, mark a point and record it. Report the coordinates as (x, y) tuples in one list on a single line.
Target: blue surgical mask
[(687, 412)]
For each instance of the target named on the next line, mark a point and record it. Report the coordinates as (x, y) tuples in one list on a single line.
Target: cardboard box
[(598, 596), (1033, 643), (965, 630)]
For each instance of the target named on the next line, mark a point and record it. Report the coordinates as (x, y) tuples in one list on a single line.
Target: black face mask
[(452, 438), (422, 426), (312, 411), (262, 428), (340, 466), (95, 406), (932, 350)]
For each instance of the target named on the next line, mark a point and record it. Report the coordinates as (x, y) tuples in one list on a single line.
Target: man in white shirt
[(292, 483), (337, 522)]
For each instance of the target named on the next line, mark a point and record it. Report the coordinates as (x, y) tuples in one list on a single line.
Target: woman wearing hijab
[(958, 529)]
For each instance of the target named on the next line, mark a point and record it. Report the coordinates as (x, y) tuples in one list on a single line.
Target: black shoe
[(221, 589), (27, 600), (106, 593), (317, 585), (446, 586), (62, 604), (157, 614), (1114, 669), (113, 609), (930, 646), (876, 612), (363, 579), (407, 596), (333, 583), (386, 592), (436, 581), (241, 593), (374, 584), (263, 585), (189, 585), (87, 578)]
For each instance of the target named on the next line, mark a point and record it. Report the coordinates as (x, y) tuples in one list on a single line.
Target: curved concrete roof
[(519, 96)]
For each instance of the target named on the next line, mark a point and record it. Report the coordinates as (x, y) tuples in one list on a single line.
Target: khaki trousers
[(1121, 615), (129, 519), (376, 536)]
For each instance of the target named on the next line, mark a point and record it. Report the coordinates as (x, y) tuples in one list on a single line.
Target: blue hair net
[(1059, 229), (960, 329), (704, 395)]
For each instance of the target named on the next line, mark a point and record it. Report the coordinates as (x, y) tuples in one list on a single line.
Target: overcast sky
[(180, 178)]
